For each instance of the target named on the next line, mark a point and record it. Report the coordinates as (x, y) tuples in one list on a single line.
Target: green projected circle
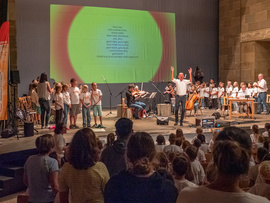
[(123, 45)]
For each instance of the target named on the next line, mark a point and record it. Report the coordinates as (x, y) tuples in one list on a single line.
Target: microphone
[(103, 78)]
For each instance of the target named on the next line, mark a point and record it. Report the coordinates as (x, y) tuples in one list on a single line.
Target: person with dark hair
[(196, 166), (83, 176), (232, 161), (266, 133), (172, 147), (180, 134), (60, 143), (113, 156), (44, 90), (200, 154), (181, 165), (41, 172), (110, 140), (255, 134), (160, 143), (254, 170), (140, 183)]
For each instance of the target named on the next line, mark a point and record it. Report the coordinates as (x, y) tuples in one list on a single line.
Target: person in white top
[(181, 166), (74, 93), (243, 94), (206, 95), (160, 143), (229, 88), (67, 102), (181, 91), (231, 161), (220, 95), (96, 96), (214, 96), (234, 95), (59, 104), (267, 130), (44, 90), (172, 148), (34, 100), (262, 91), (60, 143), (85, 98)]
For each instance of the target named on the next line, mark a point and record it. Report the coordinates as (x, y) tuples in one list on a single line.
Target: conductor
[(180, 96)]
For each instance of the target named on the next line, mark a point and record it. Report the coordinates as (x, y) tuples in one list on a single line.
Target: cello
[(191, 101)]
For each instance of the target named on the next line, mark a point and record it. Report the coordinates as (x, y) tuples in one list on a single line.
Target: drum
[(164, 109)]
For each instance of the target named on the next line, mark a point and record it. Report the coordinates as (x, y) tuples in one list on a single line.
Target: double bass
[(191, 101)]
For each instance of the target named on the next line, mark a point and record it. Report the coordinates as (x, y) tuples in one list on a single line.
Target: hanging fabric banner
[(4, 46)]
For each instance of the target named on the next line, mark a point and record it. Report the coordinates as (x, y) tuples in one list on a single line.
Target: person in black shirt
[(131, 101)]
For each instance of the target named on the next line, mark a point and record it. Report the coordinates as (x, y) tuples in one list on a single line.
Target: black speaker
[(162, 120), (28, 129), (15, 77)]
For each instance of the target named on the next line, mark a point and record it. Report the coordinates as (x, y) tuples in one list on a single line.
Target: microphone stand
[(110, 96)]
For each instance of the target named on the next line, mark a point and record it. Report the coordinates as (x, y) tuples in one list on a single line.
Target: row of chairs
[(25, 105)]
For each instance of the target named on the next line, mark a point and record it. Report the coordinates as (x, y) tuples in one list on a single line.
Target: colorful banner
[(4, 46)]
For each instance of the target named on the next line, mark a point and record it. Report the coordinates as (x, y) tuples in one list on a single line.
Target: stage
[(148, 125)]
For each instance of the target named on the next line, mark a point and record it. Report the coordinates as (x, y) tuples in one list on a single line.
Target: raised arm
[(190, 75), (172, 69)]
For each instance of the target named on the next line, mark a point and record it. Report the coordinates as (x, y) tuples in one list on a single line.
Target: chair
[(127, 111), (32, 113)]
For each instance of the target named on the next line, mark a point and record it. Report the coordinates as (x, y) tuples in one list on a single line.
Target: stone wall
[(244, 38)]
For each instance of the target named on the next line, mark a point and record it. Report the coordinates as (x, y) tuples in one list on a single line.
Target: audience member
[(178, 142), (185, 144), (83, 176), (200, 154), (140, 183), (232, 161), (179, 134), (113, 156), (172, 147), (60, 143), (196, 166), (41, 172), (212, 141), (267, 130), (181, 165), (110, 140), (255, 134), (160, 143)]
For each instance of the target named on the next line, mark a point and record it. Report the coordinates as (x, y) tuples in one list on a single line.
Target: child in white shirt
[(67, 102), (59, 104), (234, 95), (86, 103), (206, 95), (96, 96), (220, 95), (214, 96), (74, 93)]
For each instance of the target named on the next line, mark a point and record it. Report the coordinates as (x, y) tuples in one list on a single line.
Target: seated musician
[(132, 96), (193, 97), (242, 94)]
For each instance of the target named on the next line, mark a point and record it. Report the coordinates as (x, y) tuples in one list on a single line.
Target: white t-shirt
[(203, 194), (181, 86), (243, 93), (220, 92), (205, 148), (95, 96), (181, 184), (202, 92), (198, 171), (206, 90), (234, 92), (251, 91), (229, 90), (159, 148), (66, 98), (59, 99), (60, 143), (74, 93), (86, 97), (261, 189), (214, 91), (172, 148), (265, 134), (201, 156), (262, 83)]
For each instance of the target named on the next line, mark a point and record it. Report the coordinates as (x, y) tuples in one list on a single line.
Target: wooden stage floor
[(149, 125)]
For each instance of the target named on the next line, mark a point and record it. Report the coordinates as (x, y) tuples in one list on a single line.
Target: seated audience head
[(255, 129), (181, 165), (264, 170), (201, 137), (178, 142), (124, 128), (99, 144), (43, 78), (267, 127), (215, 134), (172, 138), (236, 134), (141, 153), (45, 144), (160, 140), (180, 134), (230, 158), (110, 139), (197, 143), (261, 153), (60, 128), (83, 152), (192, 152), (199, 130), (162, 160), (211, 173), (185, 144)]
